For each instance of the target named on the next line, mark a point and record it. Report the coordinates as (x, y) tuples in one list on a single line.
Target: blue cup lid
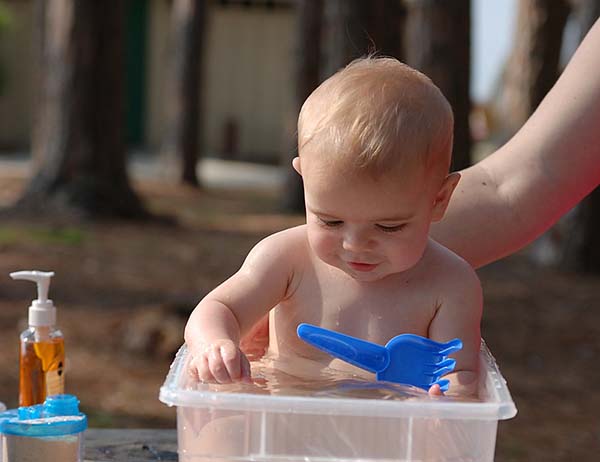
[(56, 405), (30, 412), (6, 415), (58, 416)]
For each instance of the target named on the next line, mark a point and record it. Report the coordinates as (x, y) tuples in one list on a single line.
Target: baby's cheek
[(323, 244), (397, 249), (407, 254)]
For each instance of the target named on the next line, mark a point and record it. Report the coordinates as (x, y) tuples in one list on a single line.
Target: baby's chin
[(361, 276), (376, 274), (366, 276)]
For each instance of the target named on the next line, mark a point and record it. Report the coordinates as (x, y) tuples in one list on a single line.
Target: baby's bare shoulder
[(288, 240), (283, 254), (287, 246), (448, 270), (457, 287)]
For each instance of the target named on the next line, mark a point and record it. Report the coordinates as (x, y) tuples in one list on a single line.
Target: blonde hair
[(378, 114)]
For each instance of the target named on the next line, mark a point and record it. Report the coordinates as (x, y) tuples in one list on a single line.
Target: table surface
[(130, 445)]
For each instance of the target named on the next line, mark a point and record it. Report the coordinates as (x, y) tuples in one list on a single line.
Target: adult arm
[(512, 196)]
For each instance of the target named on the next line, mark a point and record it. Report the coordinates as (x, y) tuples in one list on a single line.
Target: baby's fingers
[(245, 368), (192, 369), (204, 372), (198, 369), (233, 360), (217, 366), (435, 390)]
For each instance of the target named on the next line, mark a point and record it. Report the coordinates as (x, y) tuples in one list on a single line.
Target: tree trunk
[(588, 12), (588, 254), (308, 55), (182, 138), (355, 28), (78, 144), (581, 250), (439, 45), (533, 65)]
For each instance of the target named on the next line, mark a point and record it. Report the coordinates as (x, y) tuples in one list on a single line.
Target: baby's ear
[(442, 198), (296, 165)]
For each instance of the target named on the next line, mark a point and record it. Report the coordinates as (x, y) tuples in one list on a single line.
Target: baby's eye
[(391, 229), (331, 223)]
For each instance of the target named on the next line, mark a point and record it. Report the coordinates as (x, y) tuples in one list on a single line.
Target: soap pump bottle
[(42, 347)]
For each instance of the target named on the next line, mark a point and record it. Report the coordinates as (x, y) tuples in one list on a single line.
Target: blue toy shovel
[(407, 358)]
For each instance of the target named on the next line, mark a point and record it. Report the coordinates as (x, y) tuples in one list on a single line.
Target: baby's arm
[(215, 326), (459, 316)]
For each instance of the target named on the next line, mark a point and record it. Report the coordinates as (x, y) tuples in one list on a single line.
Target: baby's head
[(374, 143), (378, 116)]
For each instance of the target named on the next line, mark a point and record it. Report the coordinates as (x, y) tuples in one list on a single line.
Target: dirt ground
[(123, 292)]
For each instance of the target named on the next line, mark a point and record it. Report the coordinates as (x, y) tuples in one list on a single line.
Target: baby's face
[(368, 228)]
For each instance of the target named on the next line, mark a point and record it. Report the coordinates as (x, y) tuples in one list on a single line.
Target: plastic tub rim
[(500, 405)]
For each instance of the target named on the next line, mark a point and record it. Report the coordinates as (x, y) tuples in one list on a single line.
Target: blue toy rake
[(407, 358)]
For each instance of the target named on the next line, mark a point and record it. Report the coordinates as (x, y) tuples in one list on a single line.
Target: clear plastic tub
[(219, 426), (2, 409)]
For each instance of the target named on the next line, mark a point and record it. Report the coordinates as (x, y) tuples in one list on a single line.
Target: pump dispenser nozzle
[(42, 311)]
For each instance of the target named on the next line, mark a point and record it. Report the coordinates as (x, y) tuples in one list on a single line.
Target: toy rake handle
[(361, 353)]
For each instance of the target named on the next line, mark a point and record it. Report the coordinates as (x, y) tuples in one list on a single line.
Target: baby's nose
[(356, 240)]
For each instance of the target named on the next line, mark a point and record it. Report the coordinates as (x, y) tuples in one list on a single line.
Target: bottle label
[(55, 381)]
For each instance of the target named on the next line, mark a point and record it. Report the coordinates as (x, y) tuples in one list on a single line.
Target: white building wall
[(248, 71)]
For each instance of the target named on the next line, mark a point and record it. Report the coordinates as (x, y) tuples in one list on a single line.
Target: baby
[(374, 143)]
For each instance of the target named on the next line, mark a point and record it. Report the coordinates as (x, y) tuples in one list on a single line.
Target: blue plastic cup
[(47, 432)]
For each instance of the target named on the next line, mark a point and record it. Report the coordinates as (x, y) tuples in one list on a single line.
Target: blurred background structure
[(145, 146), (85, 85)]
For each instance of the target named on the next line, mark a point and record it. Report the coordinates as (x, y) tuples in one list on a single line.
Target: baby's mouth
[(362, 267)]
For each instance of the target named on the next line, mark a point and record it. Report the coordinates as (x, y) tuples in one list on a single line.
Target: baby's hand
[(219, 362), (435, 390)]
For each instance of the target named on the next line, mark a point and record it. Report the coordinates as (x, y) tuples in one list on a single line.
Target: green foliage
[(5, 22), (99, 419), (5, 15), (46, 236)]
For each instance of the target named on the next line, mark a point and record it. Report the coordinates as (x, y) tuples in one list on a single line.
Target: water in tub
[(295, 376), (223, 433)]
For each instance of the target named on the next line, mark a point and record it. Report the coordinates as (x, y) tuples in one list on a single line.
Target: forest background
[(139, 221)]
